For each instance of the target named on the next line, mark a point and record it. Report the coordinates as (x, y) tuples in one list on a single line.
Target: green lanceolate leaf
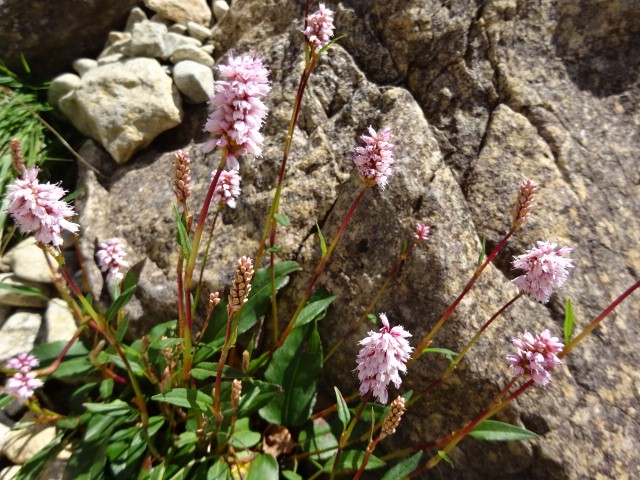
[(282, 219), (483, 251), (443, 455), (404, 468), (255, 395), (219, 471), (323, 244), (24, 290), (343, 410), (32, 468), (568, 322), (448, 354), (291, 475), (314, 310), (243, 437), (350, 461), (186, 398), (133, 275), (183, 237), (115, 408), (209, 369), (295, 366), (492, 430), (119, 303), (317, 438), (263, 467)]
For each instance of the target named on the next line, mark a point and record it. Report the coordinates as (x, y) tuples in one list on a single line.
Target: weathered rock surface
[(124, 105), (60, 325), (22, 445), (479, 98), (24, 25), (29, 262), (19, 333), (15, 297), (194, 80)]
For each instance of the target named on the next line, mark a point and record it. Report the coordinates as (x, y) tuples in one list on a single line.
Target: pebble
[(137, 15), (198, 31), (178, 28), (148, 40), (62, 85), (19, 333), (192, 53), (194, 80), (59, 321), (9, 473), (21, 445), (220, 9), (28, 261)]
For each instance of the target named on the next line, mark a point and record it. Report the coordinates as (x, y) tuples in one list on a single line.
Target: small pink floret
[(375, 160), (111, 259), (227, 189), (319, 27), (23, 385), (22, 362), (536, 356), (546, 269), (36, 207), (382, 358), (422, 232)]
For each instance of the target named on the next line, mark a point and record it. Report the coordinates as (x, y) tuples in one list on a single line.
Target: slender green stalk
[(445, 316), (344, 438), (321, 265)]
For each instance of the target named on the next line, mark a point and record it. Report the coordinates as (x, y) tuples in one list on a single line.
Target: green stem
[(321, 266), (445, 316), (344, 438)]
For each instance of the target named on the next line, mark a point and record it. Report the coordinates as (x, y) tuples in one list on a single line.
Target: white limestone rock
[(194, 80), (194, 54), (83, 65), (124, 105), (148, 40), (182, 11), (178, 28), (17, 298), (198, 31), (22, 445), (9, 473), (137, 15), (29, 262), (59, 321), (19, 333), (175, 41), (61, 86), (220, 9)]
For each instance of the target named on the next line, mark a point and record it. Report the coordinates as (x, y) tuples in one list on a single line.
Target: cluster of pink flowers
[(546, 269), (239, 113), (422, 232), (24, 382), (111, 259), (227, 189), (319, 28), (375, 160), (36, 207), (383, 356), (535, 357)]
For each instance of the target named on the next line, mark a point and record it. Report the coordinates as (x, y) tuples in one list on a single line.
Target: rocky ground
[(480, 95)]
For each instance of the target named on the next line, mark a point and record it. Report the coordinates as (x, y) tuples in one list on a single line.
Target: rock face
[(182, 11), (124, 105), (479, 97), (24, 25)]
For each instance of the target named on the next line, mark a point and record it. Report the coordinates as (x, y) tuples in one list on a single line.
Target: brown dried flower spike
[(392, 420), (182, 182), (241, 283), (524, 203), (16, 156)]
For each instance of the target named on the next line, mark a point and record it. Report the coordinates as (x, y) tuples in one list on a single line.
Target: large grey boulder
[(478, 98), (124, 105)]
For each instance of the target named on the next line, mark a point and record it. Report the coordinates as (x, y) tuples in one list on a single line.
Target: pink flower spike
[(37, 207), (536, 357), (239, 113), (546, 269), (382, 358), (422, 232), (319, 27), (23, 385), (111, 259), (375, 160), (227, 189), (22, 362)]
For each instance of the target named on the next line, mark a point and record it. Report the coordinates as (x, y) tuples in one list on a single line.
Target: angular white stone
[(178, 28), (19, 333), (62, 85), (29, 262), (83, 65), (198, 31), (195, 81), (137, 15), (194, 54), (174, 41), (182, 11), (22, 445), (220, 9), (59, 321), (124, 105), (147, 40)]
